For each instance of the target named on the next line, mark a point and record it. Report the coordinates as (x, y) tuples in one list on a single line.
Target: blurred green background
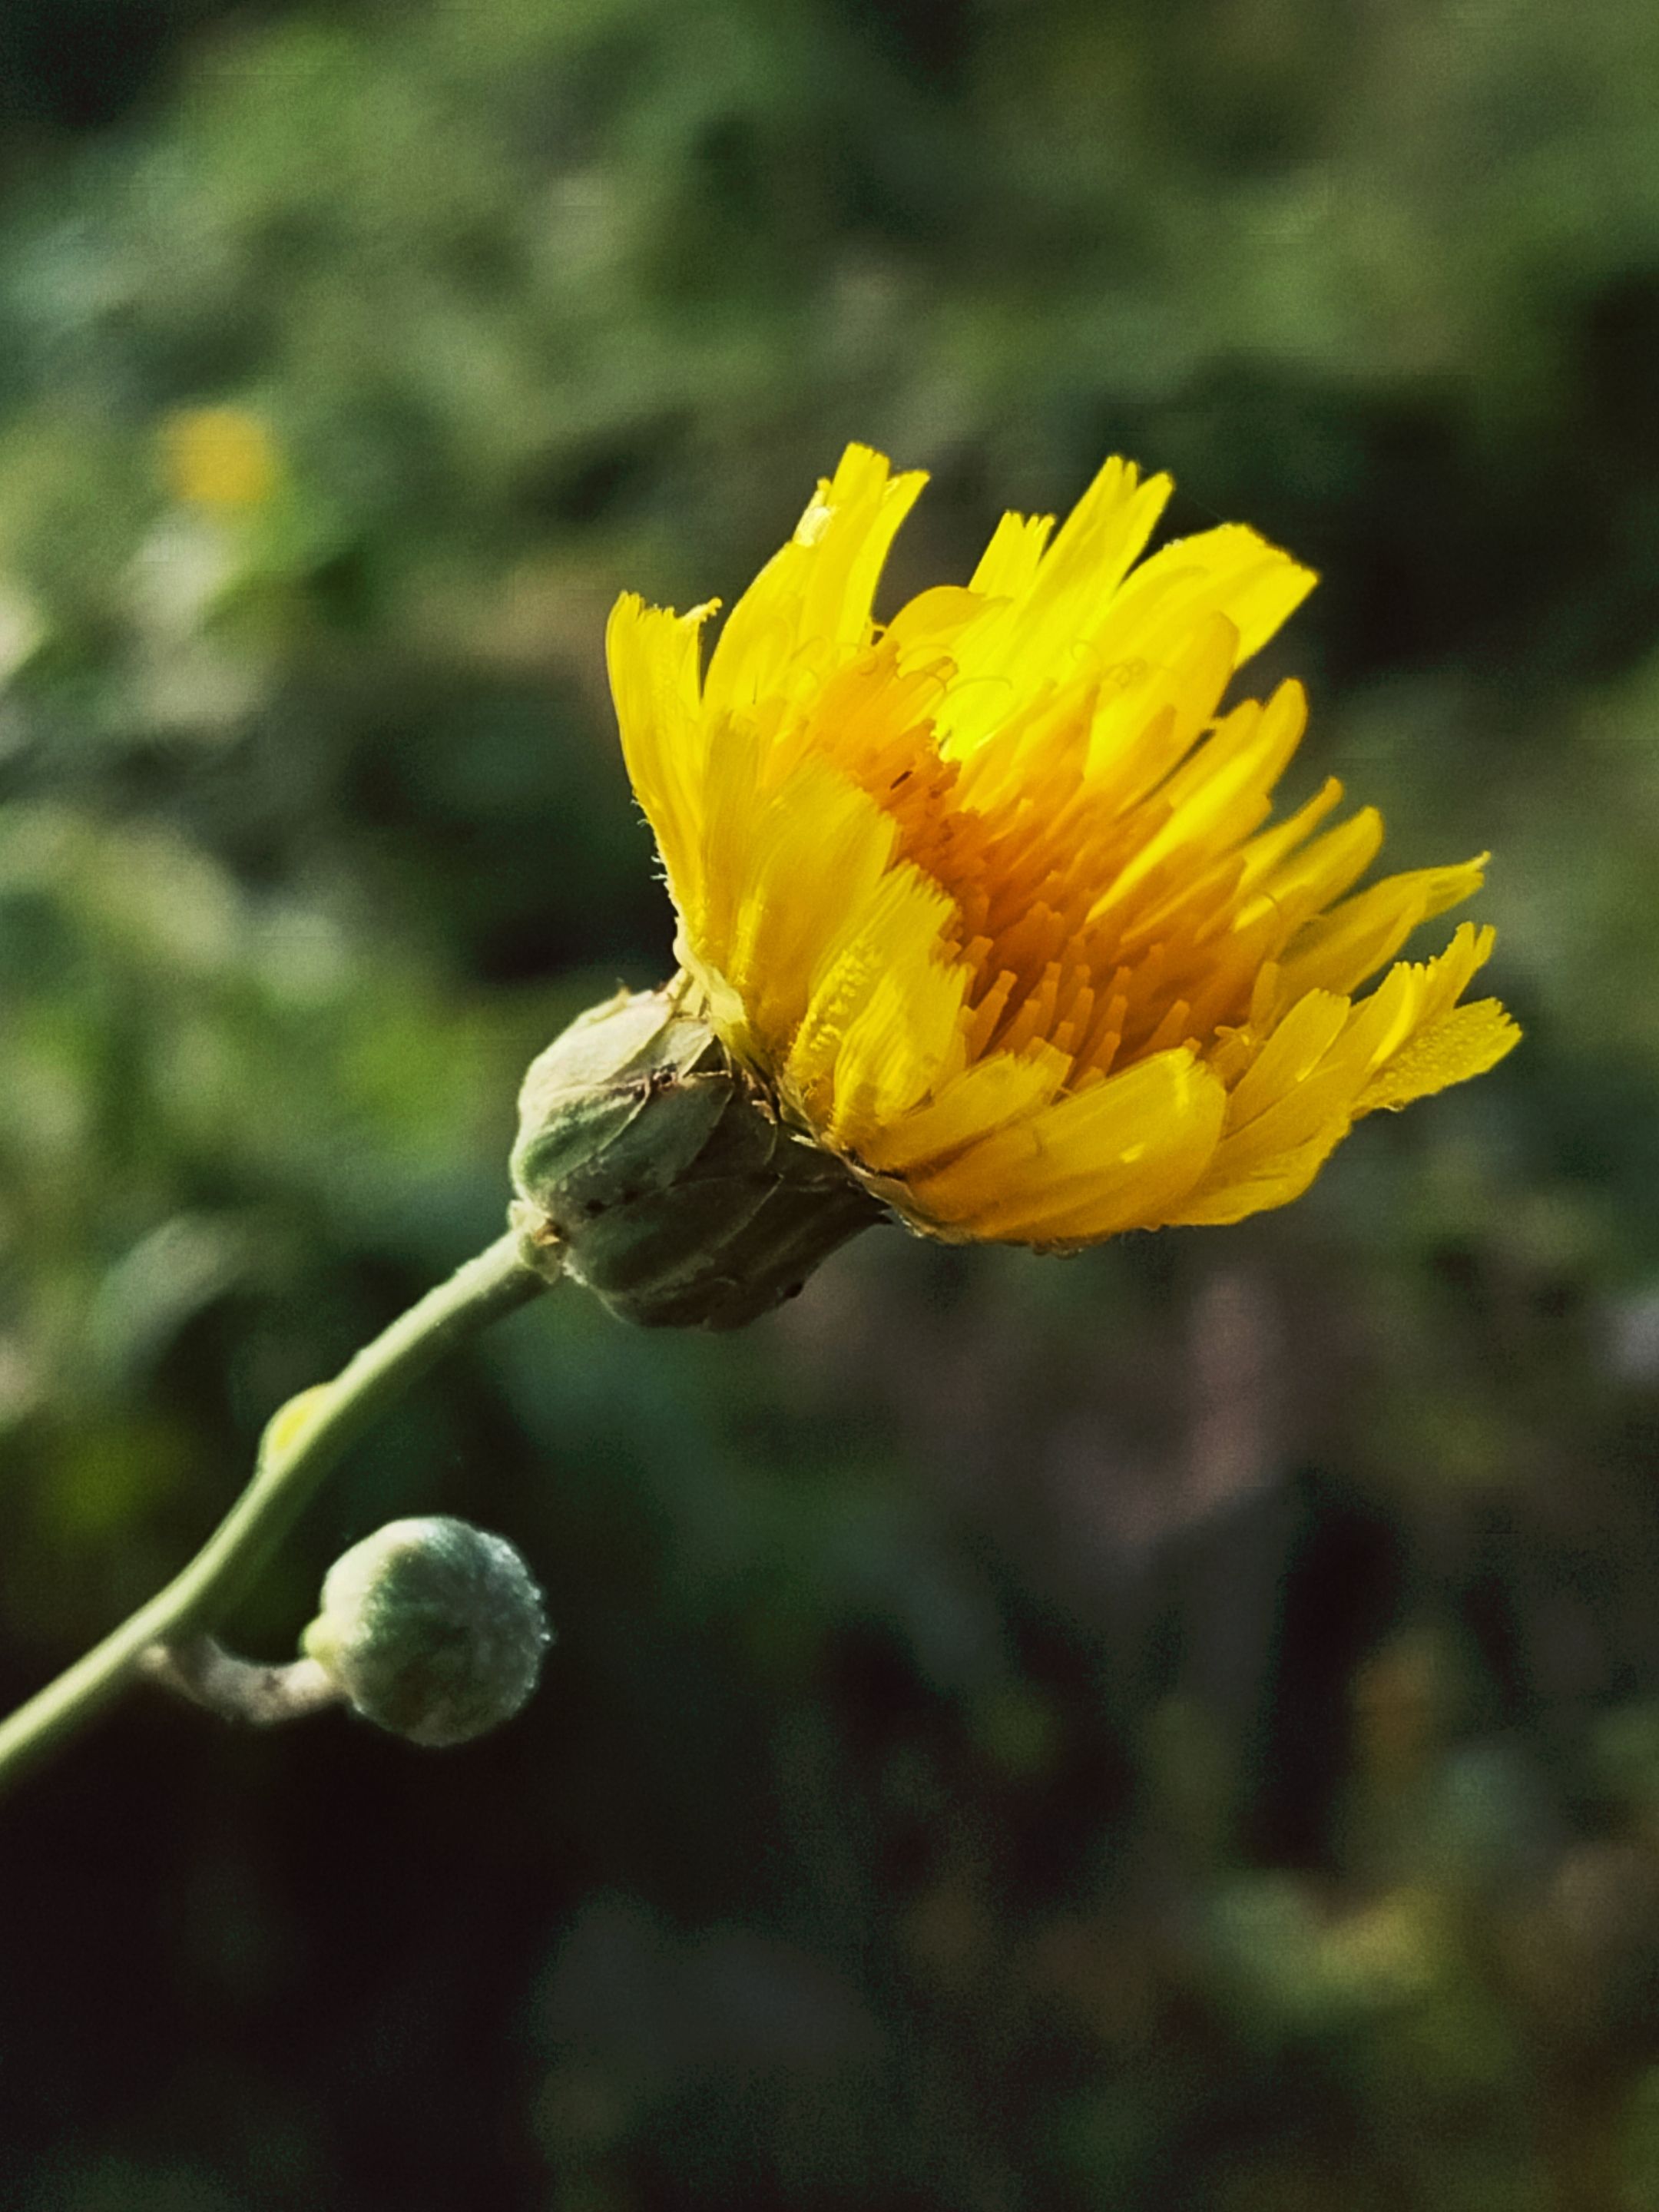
[(1175, 1730)]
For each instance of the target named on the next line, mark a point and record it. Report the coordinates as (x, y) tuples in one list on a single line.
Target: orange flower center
[(1028, 848)]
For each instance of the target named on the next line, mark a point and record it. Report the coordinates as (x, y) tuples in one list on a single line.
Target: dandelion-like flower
[(984, 897)]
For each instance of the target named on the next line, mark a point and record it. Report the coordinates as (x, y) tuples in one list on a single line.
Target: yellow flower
[(219, 457), (984, 896)]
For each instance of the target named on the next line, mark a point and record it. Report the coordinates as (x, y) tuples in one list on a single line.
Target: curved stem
[(200, 1668), (299, 1447)]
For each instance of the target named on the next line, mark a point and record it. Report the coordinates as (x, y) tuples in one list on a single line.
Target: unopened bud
[(432, 1628), (655, 1171)]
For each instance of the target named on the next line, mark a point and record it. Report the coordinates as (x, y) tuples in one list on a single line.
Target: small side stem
[(300, 1446), (237, 1689)]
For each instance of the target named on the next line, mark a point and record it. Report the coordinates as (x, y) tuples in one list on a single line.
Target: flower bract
[(988, 896)]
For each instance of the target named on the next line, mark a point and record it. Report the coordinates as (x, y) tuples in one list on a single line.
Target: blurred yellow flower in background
[(219, 457), (984, 897)]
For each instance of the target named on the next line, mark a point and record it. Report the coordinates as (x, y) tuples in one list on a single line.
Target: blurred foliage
[(1178, 1728)]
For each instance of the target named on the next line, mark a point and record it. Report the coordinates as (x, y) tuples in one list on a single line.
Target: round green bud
[(433, 1630), (651, 1167)]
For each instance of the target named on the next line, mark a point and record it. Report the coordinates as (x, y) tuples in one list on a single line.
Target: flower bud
[(653, 1169), (432, 1628)]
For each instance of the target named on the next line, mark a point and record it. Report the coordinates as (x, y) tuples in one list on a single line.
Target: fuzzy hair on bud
[(433, 1629)]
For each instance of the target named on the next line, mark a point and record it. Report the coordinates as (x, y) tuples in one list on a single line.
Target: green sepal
[(662, 1175)]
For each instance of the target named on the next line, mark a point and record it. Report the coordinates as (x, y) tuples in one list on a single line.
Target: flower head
[(987, 897)]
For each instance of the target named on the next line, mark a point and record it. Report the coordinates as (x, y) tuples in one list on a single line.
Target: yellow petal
[(1265, 853), (1442, 1043), (1149, 715), (815, 852), (1223, 792), (653, 656), (1465, 1042), (1339, 950), (1116, 1156), (1329, 1062), (1289, 1056), (1226, 1197), (903, 1043), (1299, 885), (877, 953), (1230, 570), (1008, 566), (986, 1096), (1043, 631), (810, 605)]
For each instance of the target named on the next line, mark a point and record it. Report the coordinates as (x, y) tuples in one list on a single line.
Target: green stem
[(304, 1441)]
